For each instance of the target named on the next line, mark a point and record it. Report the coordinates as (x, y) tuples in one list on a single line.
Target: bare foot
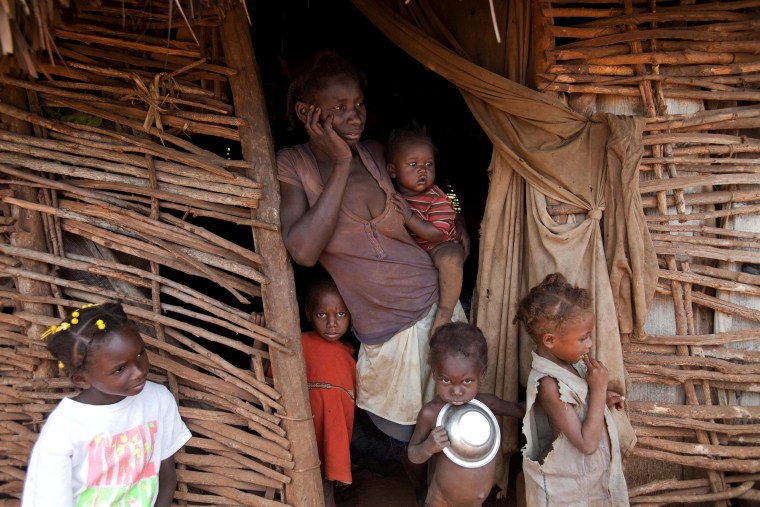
[(442, 316)]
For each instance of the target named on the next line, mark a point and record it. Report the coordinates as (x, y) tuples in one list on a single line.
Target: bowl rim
[(461, 461)]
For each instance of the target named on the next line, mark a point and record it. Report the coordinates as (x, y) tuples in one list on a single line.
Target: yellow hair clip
[(63, 326), (51, 330)]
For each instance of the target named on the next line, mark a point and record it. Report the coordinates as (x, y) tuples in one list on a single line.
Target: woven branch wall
[(118, 181), (693, 69)]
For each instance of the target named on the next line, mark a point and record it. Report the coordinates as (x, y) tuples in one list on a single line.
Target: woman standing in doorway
[(337, 210)]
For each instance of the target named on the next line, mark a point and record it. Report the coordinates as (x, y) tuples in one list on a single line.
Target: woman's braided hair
[(314, 75), (550, 304), (73, 339)]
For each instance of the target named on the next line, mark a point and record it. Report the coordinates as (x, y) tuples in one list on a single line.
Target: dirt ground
[(379, 477), (392, 489)]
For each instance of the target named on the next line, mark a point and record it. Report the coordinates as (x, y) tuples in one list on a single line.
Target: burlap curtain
[(541, 148)]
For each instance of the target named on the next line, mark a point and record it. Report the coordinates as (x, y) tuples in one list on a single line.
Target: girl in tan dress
[(572, 454)]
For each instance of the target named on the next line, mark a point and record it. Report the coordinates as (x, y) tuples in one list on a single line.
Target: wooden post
[(30, 232), (280, 307)]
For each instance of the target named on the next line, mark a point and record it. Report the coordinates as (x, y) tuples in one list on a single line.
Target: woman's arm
[(307, 230), (167, 482)]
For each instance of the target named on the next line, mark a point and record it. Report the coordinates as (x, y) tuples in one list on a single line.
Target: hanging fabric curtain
[(541, 149)]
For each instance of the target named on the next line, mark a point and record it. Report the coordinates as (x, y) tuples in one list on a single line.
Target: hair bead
[(50, 330), (69, 341)]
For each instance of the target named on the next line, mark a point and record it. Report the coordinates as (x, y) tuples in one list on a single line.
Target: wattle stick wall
[(138, 167)]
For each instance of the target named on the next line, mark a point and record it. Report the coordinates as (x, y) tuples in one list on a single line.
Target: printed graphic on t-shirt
[(120, 471)]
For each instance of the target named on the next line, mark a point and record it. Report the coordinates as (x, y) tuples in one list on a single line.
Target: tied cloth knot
[(595, 214)]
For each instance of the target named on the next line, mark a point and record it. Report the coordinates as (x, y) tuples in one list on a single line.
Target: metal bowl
[(473, 433)]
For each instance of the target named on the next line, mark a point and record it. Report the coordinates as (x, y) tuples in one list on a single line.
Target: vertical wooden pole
[(280, 307), (30, 232)]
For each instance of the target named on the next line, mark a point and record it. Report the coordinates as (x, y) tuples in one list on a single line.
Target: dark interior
[(399, 90)]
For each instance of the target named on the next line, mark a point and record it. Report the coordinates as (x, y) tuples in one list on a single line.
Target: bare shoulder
[(429, 411), (426, 418), (548, 391)]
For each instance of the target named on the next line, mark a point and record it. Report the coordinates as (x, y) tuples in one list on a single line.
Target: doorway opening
[(400, 90)]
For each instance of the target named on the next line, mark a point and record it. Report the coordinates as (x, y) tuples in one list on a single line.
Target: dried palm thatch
[(118, 182), (25, 30), (692, 69)]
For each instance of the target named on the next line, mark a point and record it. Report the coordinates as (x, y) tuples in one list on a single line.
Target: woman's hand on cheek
[(325, 142)]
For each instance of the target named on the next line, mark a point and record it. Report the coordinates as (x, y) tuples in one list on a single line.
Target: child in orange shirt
[(331, 374), (331, 378)]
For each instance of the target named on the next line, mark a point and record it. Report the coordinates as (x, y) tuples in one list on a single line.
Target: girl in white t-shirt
[(114, 442)]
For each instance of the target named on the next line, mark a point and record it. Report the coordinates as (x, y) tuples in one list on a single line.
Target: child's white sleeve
[(174, 433), (49, 474)]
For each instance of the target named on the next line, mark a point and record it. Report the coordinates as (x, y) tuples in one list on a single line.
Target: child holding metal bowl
[(459, 420)]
